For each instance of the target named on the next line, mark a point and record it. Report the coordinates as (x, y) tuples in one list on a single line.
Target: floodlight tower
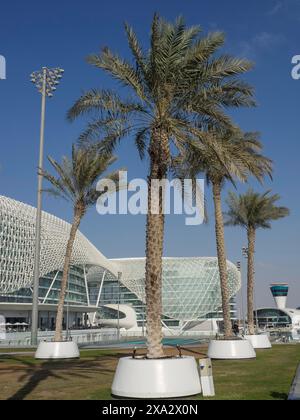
[(239, 267), (45, 81)]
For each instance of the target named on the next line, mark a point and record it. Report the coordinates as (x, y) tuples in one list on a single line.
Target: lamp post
[(45, 81), (119, 298), (239, 267), (68, 311)]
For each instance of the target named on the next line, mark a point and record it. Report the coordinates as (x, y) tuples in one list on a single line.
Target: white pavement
[(294, 394)]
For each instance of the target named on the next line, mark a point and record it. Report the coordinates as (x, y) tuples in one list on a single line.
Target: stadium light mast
[(119, 301), (45, 81), (239, 267)]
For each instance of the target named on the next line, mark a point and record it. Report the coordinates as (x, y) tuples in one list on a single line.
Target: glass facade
[(271, 317), (49, 289), (190, 286), (112, 292), (218, 314), (190, 289)]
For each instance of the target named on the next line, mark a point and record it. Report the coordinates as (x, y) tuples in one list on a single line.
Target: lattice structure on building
[(191, 286), (17, 242)]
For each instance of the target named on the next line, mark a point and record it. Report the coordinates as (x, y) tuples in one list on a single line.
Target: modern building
[(101, 291), (281, 316)]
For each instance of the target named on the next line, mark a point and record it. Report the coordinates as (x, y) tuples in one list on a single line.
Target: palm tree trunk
[(78, 213), (220, 238), (154, 250), (251, 279)]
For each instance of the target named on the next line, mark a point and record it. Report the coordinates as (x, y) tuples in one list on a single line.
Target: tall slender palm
[(178, 77), (253, 211), (75, 181), (226, 156)]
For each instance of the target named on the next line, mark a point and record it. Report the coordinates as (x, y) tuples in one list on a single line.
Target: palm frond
[(136, 49), (118, 69), (140, 141)]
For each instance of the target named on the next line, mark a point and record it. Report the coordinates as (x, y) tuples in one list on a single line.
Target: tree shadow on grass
[(279, 396), (61, 370), (35, 377)]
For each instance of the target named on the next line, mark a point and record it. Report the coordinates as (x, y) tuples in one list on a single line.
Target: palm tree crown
[(254, 210), (177, 82), (225, 155), (77, 176)]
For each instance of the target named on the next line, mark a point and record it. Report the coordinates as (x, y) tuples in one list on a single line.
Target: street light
[(45, 81), (119, 299), (239, 267)]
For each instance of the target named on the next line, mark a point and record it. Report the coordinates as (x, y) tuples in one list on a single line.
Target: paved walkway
[(295, 390)]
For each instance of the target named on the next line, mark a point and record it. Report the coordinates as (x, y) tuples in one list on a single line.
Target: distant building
[(281, 316), (100, 290)]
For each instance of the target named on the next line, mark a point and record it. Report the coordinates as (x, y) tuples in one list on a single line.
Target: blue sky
[(63, 33)]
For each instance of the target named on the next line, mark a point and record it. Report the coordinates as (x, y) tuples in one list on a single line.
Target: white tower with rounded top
[(280, 293)]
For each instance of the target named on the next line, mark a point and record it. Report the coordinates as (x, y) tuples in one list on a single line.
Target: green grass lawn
[(16, 350), (269, 377)]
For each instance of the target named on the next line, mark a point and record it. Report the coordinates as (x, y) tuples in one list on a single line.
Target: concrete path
[(294, 394)]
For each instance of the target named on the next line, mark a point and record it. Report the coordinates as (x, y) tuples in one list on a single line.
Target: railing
[(22, 339), (170, 333), (95, 336)]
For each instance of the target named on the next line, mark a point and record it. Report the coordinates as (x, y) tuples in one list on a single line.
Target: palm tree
[(75, 181), (253, 211), (170, 84), (226, 156)]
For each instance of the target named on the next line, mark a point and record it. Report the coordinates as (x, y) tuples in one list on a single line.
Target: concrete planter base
[(259, 341), (57, 350), (156, 378), (231, 349)]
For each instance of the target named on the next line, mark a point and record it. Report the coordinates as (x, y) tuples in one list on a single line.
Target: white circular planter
[(57, 350), (231, 349), (259, 341), (156, 378)]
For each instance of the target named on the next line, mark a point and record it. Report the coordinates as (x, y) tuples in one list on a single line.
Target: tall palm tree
[(253, 211), (226, 156), (178, 77), (75, 181)]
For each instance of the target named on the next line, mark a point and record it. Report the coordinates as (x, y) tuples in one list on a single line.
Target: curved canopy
[(17, 244)]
